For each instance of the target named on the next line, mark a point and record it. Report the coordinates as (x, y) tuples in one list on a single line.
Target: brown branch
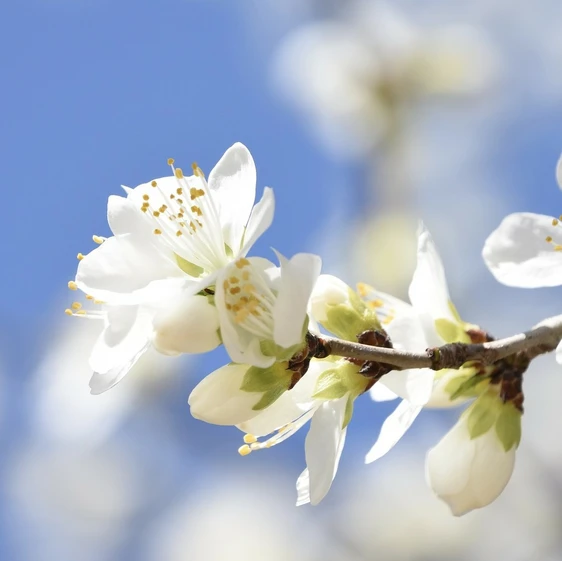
[(540, 339)]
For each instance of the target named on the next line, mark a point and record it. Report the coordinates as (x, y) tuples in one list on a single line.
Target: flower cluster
[(176, 276)]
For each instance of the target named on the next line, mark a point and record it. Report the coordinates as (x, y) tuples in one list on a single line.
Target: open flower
[(472, 464), (172, 237), (263, 321), (430, 321), (526, 250)]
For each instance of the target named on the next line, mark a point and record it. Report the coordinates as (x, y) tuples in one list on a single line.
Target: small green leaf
[(330, 385), (450, 331), (482, 415), (270, 348), (508, 426), (269, 397), (188, 267), (465, 386), (348, 411), (264, 379)]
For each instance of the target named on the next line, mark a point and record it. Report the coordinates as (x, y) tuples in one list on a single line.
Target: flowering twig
[(541, 339)]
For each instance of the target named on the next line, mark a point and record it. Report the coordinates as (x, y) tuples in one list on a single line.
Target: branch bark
[(542, 338)]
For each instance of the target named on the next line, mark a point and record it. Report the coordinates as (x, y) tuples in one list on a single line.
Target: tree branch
[(541, 339)]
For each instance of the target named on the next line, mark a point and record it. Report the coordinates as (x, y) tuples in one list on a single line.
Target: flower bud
[(340, 310), (189, 325), (472, 464)]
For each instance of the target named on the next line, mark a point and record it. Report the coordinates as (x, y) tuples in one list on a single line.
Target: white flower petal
[(298, 276), (518, 254), (123, 341), (218, 398), (428, 291), (187, 324), (323, 447), (440, 397), (303, 488), (260, 219), (379, 392), (121, 270), (414, 385), (406, 331), (393, 429), (233, 180), (127, 328), (124, 217), (468, 474)]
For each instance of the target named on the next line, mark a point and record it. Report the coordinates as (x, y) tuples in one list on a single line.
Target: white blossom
[(172, 237)]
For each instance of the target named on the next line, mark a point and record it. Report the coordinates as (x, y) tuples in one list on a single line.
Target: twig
[(541, 339)]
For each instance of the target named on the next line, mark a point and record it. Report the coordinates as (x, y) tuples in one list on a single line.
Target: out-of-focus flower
[(172, 237), (472, 464), (64, 410), (354, 76)]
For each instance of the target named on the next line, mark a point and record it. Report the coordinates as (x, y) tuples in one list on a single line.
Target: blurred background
[(365, 117)]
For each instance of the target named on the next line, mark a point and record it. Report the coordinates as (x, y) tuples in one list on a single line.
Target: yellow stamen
[(80, 257), (244, 450), (76, 305), (153, 183), (157, 231), (68, 312), (178, 173), (171, 161), (72, 285), (250, 439), (98, 239)]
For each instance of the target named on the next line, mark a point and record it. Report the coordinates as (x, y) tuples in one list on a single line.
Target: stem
[(541, 339)]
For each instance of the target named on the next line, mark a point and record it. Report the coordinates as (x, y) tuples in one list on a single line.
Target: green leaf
[(270, 348), (348, 411), (264, 379), (330, 385), (482, 415), (508, 426), (269, 397), (450, 331), (465, 386), (188, 267)]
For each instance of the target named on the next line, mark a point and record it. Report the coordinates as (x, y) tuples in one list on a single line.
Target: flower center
[(249, 299), (187, 219), (556, 246)]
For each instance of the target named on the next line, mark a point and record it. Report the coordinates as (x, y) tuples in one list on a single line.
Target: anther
[(549, 239), (80, 257), (153, 184), (98, 239), (178, 173), (157, 231), (250, 439), (145, 197), (76, 305), (244, 450), (72, 285), (555, 221), (68, 312), (89, 297), (197, 170), (171, 161)]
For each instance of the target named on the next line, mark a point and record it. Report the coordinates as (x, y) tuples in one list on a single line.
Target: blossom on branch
[(171, 239)]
